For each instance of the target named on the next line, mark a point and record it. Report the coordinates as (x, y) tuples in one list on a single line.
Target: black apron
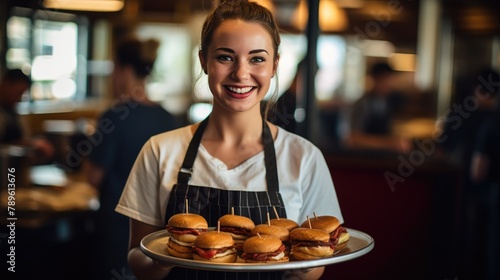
[(213, 203)]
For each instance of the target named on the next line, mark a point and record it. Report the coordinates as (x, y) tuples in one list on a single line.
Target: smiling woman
[(242, 62), (233, 159)]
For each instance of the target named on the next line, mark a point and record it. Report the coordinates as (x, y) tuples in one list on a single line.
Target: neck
[(234, 129), (136, 92)]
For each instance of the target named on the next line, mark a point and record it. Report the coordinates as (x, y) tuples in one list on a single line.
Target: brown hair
[(140, 55), (246, 11)]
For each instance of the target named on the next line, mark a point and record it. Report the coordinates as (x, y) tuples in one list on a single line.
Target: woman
[(121, 132), (235, 158)]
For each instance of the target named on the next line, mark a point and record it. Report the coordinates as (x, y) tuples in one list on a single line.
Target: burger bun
[(178, 251), (262, 244), (188, 220), (230, 220), (327, 223), (280, 232), (309, 234), (286, 223), (214, 240)]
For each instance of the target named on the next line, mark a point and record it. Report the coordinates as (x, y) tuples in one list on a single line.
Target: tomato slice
[(207, 254)]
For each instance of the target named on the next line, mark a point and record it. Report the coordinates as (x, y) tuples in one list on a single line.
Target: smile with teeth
[(240, 90)]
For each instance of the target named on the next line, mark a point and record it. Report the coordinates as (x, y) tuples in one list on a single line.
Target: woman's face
[(240, 64)]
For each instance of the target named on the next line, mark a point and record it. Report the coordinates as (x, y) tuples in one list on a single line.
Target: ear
[(202, 62), (275, 66)]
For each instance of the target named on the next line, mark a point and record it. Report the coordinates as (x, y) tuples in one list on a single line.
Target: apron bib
[(212, 203)]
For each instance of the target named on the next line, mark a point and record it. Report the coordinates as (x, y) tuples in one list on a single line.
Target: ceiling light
[(403, 61), (331, 16), (85, 5)]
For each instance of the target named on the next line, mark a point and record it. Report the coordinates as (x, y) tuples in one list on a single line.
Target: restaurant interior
[(413, 200)]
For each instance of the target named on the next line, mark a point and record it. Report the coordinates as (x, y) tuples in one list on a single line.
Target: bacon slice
[(235, 230), (335, 235), (263, 256), (193, 231)]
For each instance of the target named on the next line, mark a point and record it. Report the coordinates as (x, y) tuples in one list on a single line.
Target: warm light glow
[(378, 48), (350, 4), (402, 61), (331, 17), (85, 5), (300, 15), (266, 3)]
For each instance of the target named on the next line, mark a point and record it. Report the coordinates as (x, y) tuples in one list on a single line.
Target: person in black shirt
[(484, 173), (372, 115), (121, 132)]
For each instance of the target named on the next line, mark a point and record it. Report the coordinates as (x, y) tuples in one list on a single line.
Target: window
[(170, 80), (51, 48)]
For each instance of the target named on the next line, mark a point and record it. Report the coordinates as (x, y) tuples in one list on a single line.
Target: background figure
[(121, 132), (484, 173), (12, 86), (284, 110), (473, 105), (372, 115)]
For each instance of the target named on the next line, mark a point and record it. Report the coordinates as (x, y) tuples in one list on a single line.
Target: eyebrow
[(251, 52)]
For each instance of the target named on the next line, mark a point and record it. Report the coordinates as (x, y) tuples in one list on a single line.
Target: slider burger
[(280, 232), (264, 249), (338, 234), (309, 244), (214, 246), (238, 227), (283, 222), (184, 228)]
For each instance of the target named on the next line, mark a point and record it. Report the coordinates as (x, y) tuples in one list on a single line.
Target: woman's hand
[(143, 266), (163, 265), (304, 274)]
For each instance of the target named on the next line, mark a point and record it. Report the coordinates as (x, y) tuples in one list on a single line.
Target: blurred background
[(408, 187)]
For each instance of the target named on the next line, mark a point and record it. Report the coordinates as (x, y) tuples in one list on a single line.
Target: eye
[(224, 57), (258, 59)]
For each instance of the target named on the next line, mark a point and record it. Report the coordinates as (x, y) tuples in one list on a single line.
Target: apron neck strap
[(186, 170), (270, 162)]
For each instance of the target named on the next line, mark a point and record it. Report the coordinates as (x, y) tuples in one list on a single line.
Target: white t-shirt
[(305, 183)]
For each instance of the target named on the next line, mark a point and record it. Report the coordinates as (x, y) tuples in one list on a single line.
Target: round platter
[(153, 245)]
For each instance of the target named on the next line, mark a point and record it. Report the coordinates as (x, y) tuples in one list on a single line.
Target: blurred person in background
[(485, 175), (284, 110), (371, 116), (474, 103), (121, 132), (12, 86)]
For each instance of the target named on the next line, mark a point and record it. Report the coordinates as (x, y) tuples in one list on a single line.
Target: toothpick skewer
[(218, 226), (268, 219), (315, 217), (232, 210), (309, 220), (258, 234), (276, 213), (187, 206)]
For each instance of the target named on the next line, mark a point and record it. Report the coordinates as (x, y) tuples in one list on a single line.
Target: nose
[(241, 71)]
